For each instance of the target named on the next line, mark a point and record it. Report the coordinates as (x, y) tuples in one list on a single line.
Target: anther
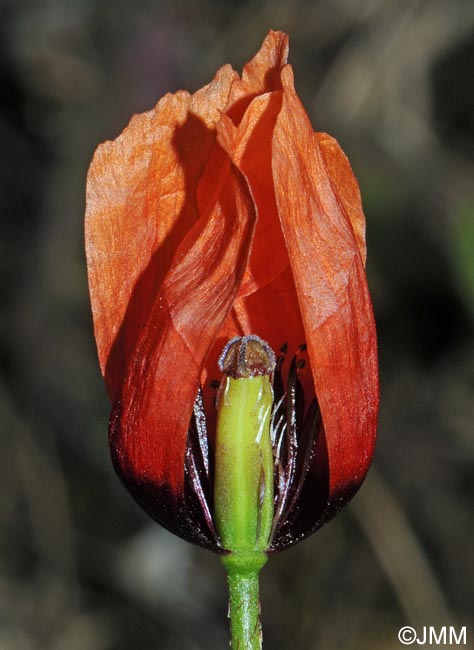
[(284, 348)]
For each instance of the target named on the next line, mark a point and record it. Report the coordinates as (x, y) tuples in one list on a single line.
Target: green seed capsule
[(243, 489)]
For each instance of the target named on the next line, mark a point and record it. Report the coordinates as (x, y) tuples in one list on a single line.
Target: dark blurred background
[(81, 567)]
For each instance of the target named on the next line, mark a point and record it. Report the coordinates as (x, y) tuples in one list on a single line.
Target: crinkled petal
[(151, 416), (249, 146), (140, 204), (345, 187), (327, 267), (260, 75), (267, 303)]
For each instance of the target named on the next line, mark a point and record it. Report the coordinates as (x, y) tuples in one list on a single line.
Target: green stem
[(244, 604)]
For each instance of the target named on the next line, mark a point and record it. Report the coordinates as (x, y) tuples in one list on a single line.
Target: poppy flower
[(217, 215)]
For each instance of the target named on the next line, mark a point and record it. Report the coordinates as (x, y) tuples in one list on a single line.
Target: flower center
[(293, 432)]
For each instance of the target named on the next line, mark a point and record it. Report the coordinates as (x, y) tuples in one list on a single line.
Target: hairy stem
[(244, 603)]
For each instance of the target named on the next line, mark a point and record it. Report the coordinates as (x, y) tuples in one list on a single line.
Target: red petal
[(267, 303), (260, 75), (332, 292), (345, 187), (249, 146), (140, 204), (168, 231), (150, 419)]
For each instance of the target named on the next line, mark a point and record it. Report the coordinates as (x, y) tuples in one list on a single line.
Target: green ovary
[(243, 489)]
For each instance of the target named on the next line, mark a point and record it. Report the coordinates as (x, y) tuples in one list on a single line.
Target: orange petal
[(337, 315), (260, 75), (249, 146), (151, 417), (267, 303), (140, 204), (345, 187)]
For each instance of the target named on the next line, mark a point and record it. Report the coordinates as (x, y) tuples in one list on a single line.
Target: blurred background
[(81, 567)]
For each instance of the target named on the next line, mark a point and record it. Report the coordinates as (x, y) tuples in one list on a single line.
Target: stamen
[(294, 435), (275, 426), (198, 466), (280, 441)]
